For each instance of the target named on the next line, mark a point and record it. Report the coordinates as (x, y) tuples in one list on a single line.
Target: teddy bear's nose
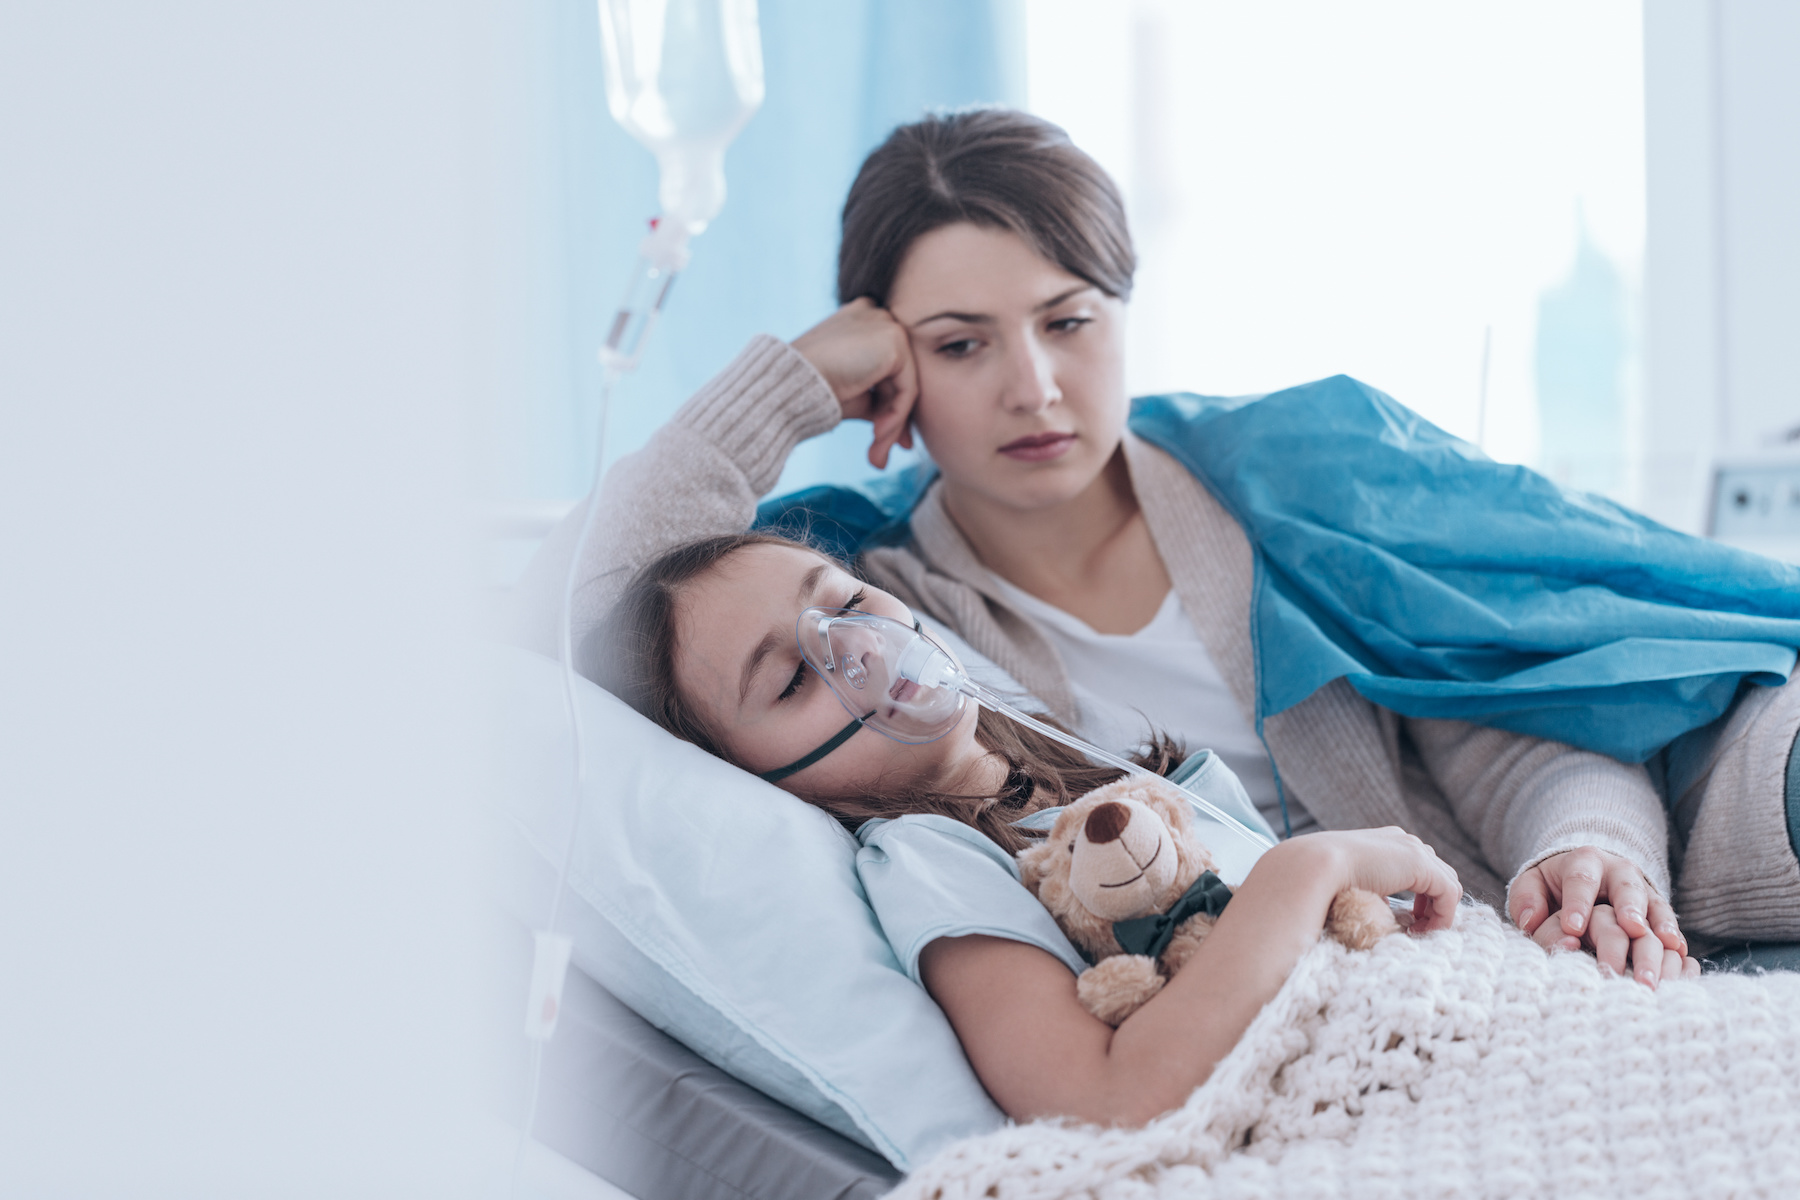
[(1106, 822)]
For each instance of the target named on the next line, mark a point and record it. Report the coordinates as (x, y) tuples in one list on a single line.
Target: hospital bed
[(624, 1100)]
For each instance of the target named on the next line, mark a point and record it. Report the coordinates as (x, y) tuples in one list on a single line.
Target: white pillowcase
[(727, 913)]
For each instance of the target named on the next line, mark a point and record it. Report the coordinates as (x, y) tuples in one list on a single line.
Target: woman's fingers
[(891, 409), (1690, 967), (1629, 897), (1581, 875), (1528, 900), (861, 352), (1666, 927)]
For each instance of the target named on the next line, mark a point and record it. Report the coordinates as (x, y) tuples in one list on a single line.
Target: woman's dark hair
[(993, 167), (632, 655)]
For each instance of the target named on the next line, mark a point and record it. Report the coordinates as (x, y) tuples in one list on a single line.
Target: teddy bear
[(1125, 874)]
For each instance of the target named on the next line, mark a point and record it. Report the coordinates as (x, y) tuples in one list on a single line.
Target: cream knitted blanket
[(1467, 1063)]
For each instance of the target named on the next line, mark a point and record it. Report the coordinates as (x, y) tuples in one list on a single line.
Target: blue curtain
[(840, 74)]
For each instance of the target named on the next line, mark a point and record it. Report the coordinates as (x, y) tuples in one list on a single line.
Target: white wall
[(1383, 189), (243, 319), (1722, 103)]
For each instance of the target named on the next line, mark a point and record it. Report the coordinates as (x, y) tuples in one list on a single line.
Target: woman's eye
[(960, 348), (794, 683), (1069, 324)]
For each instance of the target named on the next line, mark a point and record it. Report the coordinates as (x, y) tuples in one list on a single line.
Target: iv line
[(645, 294), (544, 1002), (660, 259)]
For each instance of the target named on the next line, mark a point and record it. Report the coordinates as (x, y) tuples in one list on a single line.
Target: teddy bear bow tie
[(1150, 935)]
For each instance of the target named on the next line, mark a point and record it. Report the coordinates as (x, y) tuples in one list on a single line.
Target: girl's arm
[(1040, 1053), (704, 470)]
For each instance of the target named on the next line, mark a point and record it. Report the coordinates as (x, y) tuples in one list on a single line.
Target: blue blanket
[(1440, 583)]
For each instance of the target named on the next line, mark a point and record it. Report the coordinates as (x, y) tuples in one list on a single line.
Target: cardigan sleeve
[(1524, 798), (700, 474)]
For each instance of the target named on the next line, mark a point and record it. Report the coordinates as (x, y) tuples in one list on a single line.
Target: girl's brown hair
[(993, 167), (632, 655)]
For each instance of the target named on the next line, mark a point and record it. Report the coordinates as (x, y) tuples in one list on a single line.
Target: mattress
[(631, 1104)]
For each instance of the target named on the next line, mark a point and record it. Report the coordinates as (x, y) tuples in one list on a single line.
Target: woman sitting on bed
[(985, 267)]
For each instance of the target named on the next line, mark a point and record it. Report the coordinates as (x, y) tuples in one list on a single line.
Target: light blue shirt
[(930, 877)]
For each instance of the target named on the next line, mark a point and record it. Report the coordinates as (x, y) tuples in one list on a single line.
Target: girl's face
[(738, 664), (1021, 366)]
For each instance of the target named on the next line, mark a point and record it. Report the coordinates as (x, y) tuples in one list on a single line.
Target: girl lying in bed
[(703, 643), (1464, 1064)]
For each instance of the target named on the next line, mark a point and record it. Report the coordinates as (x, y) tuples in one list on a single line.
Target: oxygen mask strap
[(800, 764)]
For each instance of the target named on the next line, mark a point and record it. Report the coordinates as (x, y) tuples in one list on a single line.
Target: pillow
[(727, 913)]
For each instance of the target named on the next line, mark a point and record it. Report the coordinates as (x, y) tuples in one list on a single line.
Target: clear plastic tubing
[(988, 700), (682, 77)]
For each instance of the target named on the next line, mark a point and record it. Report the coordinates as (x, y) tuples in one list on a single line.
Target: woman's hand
[(866, 359), (1573, 887), (1385, 861)]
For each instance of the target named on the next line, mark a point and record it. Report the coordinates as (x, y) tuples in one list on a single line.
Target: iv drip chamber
[(682, 77)]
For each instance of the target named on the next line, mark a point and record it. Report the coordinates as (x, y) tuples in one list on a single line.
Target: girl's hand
[(866, 359), (1385, 861)]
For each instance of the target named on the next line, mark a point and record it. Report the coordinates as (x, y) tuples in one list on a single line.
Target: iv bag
[(682, 77)]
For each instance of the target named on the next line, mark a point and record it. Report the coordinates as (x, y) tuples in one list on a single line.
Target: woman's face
[(1021, 366), (738, 664)]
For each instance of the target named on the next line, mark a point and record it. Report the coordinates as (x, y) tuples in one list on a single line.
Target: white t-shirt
[(1160, 676)]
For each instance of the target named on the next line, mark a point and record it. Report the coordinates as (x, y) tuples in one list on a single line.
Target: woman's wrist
[(764, 402)]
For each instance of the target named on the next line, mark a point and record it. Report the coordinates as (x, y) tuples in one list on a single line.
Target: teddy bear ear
[(1078, 808), (1167, 802), (1068, 821)]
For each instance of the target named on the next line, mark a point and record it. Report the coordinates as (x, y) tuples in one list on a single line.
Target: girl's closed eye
[(1069, 324), (794, 683)]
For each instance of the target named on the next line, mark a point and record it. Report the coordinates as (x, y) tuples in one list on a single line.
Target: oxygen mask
[(896, 679), (887, 674)]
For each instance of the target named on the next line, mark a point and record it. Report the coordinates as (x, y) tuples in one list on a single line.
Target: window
[(1444, 200)]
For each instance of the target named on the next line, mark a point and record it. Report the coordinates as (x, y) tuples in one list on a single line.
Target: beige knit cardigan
[(1491, 803)]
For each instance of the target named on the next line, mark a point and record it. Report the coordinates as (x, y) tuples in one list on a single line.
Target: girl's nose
[(1031, 378), (854, 672), (857, 656)]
